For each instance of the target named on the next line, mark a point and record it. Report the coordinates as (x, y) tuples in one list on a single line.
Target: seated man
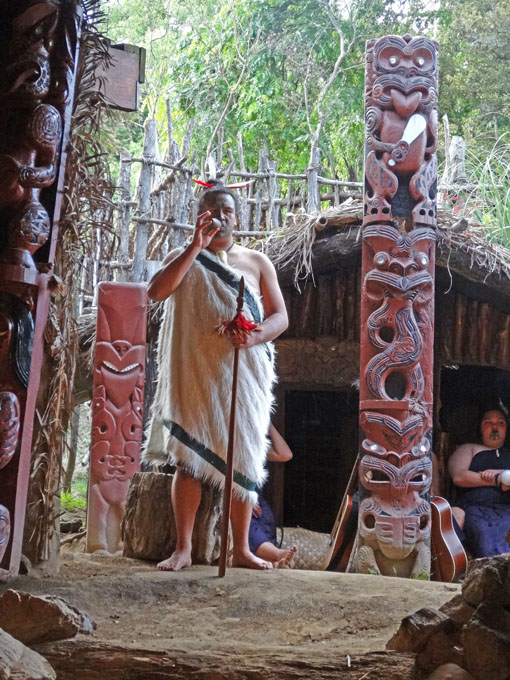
[(475, 470)]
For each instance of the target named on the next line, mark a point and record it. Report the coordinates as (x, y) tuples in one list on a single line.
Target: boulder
[(32, 620), (20, 662), (458, 610), (417, 628), (488, 580), (487, 643), (450, 671)]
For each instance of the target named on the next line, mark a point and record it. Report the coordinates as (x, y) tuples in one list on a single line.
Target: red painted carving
[(31, 133), (397, 306), (38, 44), (117, 409)]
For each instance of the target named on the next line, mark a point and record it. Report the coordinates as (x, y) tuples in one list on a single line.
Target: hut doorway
[(321, 428)]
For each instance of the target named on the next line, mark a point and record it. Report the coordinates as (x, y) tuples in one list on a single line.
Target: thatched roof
[(313, 243)]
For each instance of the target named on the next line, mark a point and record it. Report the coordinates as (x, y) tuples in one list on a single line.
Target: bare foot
[(249, 561), (285, 562), (178, 560)]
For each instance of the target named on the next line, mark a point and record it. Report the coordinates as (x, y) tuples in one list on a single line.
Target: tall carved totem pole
[(38, 54), (397, 317)]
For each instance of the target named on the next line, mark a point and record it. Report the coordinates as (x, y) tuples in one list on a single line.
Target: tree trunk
[(73, 447), (148, 529)]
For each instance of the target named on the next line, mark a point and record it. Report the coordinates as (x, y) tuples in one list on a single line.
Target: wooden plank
[(118, 80)]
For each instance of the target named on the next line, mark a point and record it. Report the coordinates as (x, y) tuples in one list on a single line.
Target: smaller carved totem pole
[(397, 318), (39, 41), (117, 409)]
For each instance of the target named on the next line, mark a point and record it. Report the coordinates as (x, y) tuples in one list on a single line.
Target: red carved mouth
[(114, 369)]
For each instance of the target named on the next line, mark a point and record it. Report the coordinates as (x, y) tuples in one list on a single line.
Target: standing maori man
[(195, 362)]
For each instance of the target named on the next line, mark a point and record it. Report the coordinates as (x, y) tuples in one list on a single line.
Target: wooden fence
[(163, 210)]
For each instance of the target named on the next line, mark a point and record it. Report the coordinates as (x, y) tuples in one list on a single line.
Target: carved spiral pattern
[(372, 119), (46, 126), (400, 152)]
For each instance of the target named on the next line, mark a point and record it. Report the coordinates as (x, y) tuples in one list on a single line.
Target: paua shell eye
[(420, 61), (423, 259), (381, 259), (393, 60)]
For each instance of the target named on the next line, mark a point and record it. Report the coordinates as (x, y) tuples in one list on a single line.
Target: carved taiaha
[(229, 472), (397, 307), (117, 409), (39, 44)]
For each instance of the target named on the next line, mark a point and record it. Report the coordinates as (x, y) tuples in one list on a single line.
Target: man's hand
[(257, 511), (205, 230), (245, 339)]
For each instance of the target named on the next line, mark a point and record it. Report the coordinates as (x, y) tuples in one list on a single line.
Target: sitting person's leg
[(262, 537)]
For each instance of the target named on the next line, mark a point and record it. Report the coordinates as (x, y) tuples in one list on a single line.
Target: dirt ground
[(275, 624)]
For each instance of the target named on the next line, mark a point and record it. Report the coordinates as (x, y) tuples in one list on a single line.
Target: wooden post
[(336, 191), (396, 354), (273, 209), (313, 203), (258, 193), (124, 214), (144, 201)]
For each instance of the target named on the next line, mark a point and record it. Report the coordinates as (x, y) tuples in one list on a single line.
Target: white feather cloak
[(191, 407)]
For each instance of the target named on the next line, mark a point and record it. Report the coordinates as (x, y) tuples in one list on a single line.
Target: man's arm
[(458, 467), (276, 320), (174, 269)]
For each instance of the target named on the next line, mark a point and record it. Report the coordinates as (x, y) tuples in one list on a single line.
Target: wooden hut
[(319, 261)]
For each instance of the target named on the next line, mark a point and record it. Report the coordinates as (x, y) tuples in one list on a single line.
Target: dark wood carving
[(38, 46), (117, 409), (397, 313)]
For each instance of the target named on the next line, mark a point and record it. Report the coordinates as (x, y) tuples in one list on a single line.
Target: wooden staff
[(229, 473)]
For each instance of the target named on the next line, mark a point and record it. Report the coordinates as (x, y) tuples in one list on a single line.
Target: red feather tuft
[(202, 184), (238, 327)]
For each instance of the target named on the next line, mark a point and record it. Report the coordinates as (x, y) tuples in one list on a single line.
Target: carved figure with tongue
[(401, 128), (117, 409)]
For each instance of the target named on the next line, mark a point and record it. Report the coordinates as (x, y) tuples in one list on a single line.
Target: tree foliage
[(260, 66)]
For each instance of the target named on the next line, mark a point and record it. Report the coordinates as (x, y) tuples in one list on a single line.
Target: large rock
[(18, 662), (450, 671), (471, 631), (458, 610), (488, 580), (33, 620), (486, 642), (417, 628)]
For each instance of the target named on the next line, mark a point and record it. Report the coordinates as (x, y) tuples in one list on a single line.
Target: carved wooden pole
[(38, 54), (117, 409), (397, 318)]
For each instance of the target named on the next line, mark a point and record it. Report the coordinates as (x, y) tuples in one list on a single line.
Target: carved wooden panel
[(117, 409)]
